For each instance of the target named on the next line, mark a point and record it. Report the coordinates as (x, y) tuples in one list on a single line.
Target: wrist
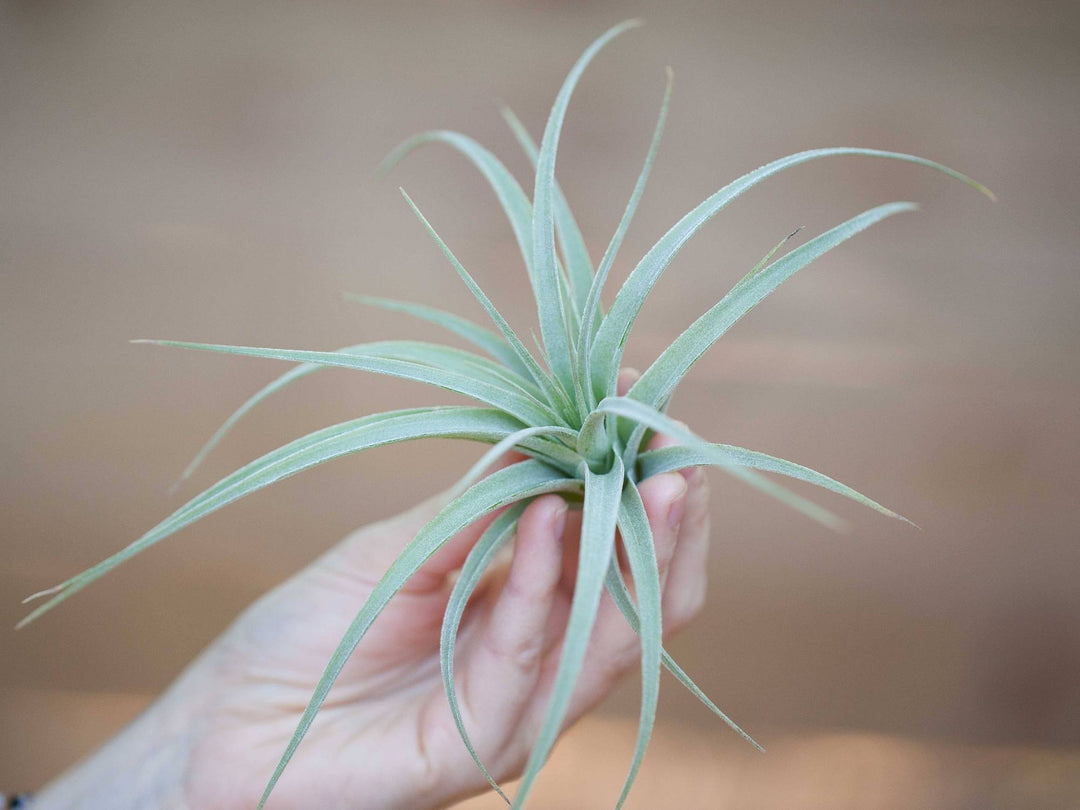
[(144, 767)]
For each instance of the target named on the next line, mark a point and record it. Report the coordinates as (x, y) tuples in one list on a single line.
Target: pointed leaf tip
[(42, 593)]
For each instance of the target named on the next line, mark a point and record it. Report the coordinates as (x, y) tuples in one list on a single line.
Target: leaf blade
[(428, 353), (591, 311), (602, 497), (497, 535), (613, 332), (298, 455), (725, 454), (637, 540), (520, 481), (620, 595), (556, 396), (512, 199), (553, 326), (660, 379), (523, 407), (462, 327), (578, 264), (653, 419)]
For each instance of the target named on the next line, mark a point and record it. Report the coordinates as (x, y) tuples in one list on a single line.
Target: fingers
[(501, 667), (614, 646), (626, 379), (684, 591), (365, 554)]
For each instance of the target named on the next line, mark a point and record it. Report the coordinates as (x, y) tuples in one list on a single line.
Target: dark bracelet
[(17, 801)]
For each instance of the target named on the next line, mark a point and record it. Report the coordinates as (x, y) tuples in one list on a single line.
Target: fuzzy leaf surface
[(556, 396), (494, 538), (613, 332), (660, 379), (591, 313), (653, 419), (578, 263), (726, 455), (603, 493), (520, 405), (462, 327), (637, 540), (553, 325), (620, 595), (507, 486), (479, 424)]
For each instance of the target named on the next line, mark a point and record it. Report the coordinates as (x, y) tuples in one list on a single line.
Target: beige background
[(204, 171)]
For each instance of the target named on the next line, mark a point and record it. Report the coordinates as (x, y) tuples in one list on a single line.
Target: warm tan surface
[(686, 768), (203, 171)]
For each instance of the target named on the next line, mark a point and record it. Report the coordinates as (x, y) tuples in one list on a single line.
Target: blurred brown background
[(205, 171)]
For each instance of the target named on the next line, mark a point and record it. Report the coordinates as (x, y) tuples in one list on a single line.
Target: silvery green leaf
[(603, 492), (462, 327), (670, 458), (512, 199), (661, 423), (430, 354), (660, 379), (494, 538), (591, 312), (315, 448), (552, 324), (620, 595), (557, 395), (505, 445), (611, 337), (578, 264), (637, 540), (524, 407), (507, 486)]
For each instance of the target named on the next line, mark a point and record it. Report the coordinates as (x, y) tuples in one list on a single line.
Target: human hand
[(385, 737)]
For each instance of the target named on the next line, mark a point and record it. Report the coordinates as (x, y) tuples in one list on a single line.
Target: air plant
[(559, 407)]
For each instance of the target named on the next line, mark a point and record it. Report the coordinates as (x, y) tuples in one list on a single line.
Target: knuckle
[(522, 654), (685, 609), (625, 657)]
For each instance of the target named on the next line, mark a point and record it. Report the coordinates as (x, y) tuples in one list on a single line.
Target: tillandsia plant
[(559, 407)]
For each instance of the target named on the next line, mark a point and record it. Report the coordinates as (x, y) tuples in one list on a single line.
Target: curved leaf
[(513, 200), (578, 263), (491, 542), (660, 379), (556, 396), (726, 455), (602, 497), (637, 540), (349, 437), (505, 445), (591, 311), (507, 486), (462, 327), (620, 594), (661, 423), (520, 405), (611, 337), (553, 326)]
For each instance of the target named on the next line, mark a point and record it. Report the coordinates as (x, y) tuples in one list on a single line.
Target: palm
[(386, 733)]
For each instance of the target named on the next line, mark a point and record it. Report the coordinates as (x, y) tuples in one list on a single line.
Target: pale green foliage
[(582, 438)]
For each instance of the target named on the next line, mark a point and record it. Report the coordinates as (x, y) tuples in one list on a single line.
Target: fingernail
[(558, 520), (626, 379), (675, 511)]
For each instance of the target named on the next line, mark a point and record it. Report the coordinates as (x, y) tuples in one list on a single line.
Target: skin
[(385, 737)]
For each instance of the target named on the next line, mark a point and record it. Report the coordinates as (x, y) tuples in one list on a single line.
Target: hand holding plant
[(385, 737), (585, 438)]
